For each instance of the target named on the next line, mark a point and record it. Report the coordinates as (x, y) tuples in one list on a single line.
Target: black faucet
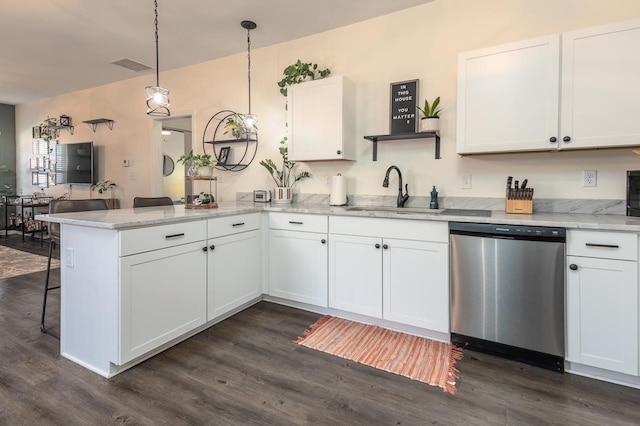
[(402, 199)]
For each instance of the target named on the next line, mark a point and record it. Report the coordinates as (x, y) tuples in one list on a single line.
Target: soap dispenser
[(434, 199)]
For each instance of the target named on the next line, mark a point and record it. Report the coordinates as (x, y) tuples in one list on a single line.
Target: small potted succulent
[(285, 178), (430, 122)]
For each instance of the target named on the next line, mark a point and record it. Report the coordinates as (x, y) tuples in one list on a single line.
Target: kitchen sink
[(397, 210)]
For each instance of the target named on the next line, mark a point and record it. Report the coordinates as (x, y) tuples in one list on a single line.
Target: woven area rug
[(414, 357), (17, 262)]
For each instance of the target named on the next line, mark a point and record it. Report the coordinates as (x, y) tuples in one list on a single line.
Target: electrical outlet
[(465, 181), (590, 178)]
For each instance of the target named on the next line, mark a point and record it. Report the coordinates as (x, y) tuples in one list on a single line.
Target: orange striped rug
[(414, 357)]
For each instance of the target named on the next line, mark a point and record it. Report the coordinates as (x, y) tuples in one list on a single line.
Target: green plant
[(299, 72), (188, 159), (285, 177), (234, 124), (204, 160), (103, 186), (431, 110)]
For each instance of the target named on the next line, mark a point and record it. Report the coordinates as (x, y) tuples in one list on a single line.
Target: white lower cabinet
[(396, 279), (234, 271), (355, 274), (416, 283), (163, 295), (602, 300), (298, 257)]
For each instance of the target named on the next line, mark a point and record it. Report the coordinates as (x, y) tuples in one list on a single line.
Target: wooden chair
[(63, 206), (152, 201)]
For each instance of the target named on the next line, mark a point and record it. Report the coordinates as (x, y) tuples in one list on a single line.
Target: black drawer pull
[(174, 236), (323, 241), (212, 247), (377, 246), (566, 139), (204, 248), (553, 139), (384, 246), (238, 224), (602, 245), (295, 223), (573, 267)]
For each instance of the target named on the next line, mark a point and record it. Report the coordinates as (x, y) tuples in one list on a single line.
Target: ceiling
[(51, 47)]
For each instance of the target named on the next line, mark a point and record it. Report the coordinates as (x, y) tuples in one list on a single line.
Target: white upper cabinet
[(572, 91), (508, 97), (601, 87), (321, 120)]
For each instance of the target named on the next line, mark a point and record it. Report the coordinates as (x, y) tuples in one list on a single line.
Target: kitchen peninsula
[(136, 281)]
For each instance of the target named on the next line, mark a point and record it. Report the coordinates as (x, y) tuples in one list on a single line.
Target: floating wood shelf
[(94, 123), (404, 136)]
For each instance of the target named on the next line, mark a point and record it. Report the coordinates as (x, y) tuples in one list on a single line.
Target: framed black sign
[(402, 111)]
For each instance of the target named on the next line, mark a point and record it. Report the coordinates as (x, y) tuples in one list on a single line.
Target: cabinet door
[(416, 283), (298, 266), (602, 313), (355, 274), (163, 295), (508, 97), (319, 122), (600, 89), (234, 271)]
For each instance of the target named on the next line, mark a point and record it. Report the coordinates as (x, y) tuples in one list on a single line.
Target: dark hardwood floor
[(246, 370)]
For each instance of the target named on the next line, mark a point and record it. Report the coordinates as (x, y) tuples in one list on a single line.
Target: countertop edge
[(133, 218)]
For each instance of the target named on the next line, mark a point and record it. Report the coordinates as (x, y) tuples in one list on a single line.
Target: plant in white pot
[(106, 187), (199, 165), (430, 122), (285, 178)]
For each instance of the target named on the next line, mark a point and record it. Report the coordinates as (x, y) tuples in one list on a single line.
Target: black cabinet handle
[(204, 248), (338, 152), (238, 224), (602, 245), (377, 246), (566, 139), (384, 246), (174, 236), (553, 139), (212, 247), (323, 241), (573, 267), (295, 223)]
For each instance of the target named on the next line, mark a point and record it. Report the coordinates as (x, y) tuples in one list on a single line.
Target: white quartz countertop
[(148, 216)]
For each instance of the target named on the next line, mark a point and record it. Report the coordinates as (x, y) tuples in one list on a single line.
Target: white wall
[(422, 42)]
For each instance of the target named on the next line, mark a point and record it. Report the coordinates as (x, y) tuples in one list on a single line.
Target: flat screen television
[(75, 163)]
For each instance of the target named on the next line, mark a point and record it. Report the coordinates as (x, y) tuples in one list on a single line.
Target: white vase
[(205, 171), (430, 124), (283, 195)]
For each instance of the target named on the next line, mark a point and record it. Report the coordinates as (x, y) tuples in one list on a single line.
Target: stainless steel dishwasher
[(507, 291)]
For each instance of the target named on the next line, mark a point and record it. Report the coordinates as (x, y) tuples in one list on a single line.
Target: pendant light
[(157, 97), (249, 119)]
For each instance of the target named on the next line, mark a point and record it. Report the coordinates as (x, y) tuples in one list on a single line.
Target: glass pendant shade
[(158, 101), (250, 121)]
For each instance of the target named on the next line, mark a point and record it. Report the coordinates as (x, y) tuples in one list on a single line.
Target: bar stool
[(63, 206), (152, 201)]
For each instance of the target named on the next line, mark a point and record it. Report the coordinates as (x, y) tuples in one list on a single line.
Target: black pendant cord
[(249, 65), (157, 50)]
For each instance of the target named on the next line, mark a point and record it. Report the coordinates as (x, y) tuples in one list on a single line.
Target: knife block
[(519, 201)]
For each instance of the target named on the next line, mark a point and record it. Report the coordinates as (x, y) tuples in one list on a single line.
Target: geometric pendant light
[(157, 97), (250, 120)]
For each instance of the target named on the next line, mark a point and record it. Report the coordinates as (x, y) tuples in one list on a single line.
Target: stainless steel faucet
[(402, 199)]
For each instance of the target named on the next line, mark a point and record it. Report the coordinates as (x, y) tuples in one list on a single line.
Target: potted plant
[(430, 122), (104, 187), (205, 164), (198, 164), (285, 178), (234, 124)]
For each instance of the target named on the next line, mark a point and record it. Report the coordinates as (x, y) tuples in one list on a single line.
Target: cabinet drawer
[(158, 237), (299, 222), (229, 225), (604, 245), (390, 228)]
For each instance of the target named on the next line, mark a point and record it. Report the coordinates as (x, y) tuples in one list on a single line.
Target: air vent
[(132, 65)]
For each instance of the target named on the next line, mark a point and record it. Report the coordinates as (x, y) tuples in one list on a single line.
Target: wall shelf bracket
[(404, 136)]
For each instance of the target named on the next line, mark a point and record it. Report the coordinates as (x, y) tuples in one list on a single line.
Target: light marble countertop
[(134, 218)]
